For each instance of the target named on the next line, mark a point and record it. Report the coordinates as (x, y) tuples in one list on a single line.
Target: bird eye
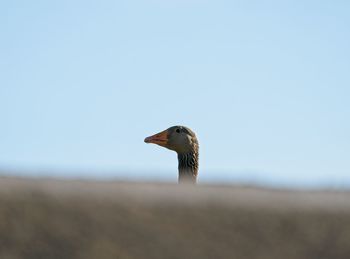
[(177, 130)]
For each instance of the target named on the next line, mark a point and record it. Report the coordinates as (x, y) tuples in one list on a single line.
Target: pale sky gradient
[(264, 84)]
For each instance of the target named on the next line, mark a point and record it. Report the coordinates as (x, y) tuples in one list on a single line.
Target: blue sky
[(264, 84)]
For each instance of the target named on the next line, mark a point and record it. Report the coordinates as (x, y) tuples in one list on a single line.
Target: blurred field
[(85, 219)]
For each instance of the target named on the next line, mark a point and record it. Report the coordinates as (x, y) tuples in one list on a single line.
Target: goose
[(184, 142)]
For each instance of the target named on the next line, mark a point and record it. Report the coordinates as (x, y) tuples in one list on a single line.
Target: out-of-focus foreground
[(85, 219)]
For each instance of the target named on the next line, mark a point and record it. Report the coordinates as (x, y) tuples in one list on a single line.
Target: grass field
[(85, 219)]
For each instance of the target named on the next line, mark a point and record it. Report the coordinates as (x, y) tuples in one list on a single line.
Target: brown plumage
[(184, 142)]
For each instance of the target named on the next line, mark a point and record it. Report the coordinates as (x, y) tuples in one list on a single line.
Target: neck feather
[(188, 166)]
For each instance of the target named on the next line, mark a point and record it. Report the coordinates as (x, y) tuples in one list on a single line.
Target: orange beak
[(160, 138)]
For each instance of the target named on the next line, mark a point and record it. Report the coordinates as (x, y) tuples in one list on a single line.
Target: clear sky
[(264, 84)]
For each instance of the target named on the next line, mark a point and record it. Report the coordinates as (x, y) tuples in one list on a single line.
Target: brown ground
[(76, 219)]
